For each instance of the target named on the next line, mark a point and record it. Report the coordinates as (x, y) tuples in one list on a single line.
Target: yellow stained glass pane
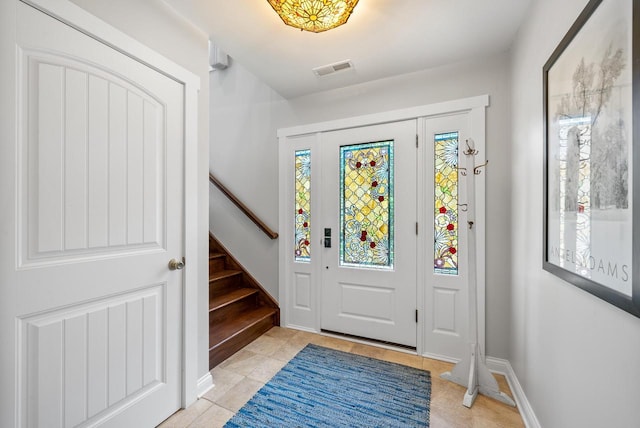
[(446, 204), (366, 205), (302, 244)]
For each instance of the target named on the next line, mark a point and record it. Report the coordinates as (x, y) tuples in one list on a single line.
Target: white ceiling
[(382, 38)]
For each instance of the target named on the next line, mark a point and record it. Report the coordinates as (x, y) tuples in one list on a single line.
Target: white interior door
[(99, 178), (369, 209), (445, 270)]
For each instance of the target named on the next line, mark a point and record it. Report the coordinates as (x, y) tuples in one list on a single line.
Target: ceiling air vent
[(336, 67)]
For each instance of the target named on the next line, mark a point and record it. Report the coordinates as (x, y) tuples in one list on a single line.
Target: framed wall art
[(591, 98)]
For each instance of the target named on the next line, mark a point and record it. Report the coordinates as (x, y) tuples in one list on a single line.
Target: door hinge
[(416, 227), (416, 315), (416, 141)]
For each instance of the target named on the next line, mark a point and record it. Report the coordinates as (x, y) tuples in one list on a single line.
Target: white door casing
[(92, 315), (371, 302), (297, 280)]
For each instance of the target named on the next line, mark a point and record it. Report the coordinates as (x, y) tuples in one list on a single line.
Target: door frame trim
[(474, 106), (437, 109), (81, 20)]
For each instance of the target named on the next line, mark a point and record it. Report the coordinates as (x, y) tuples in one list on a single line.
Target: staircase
[(240, 310)]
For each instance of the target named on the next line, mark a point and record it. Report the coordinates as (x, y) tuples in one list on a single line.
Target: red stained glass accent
[(445, 203), (366, 180)]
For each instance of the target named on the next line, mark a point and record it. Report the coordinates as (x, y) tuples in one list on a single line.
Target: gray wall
[(246, 114), (575, 355), (157, 26)]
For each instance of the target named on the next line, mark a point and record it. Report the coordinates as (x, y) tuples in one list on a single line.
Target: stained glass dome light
[(314, 15)]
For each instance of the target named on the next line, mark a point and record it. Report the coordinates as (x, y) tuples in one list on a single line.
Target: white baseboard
[(440, 357), (299, 327), (503, 367), (205, 383), (498, 365)]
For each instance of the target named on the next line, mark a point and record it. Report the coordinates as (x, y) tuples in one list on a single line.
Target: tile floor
[(238, 378)]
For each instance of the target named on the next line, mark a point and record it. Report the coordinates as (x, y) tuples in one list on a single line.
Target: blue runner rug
[(322, 387)]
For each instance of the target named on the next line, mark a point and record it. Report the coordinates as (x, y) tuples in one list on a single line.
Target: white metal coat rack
[(472, 371)]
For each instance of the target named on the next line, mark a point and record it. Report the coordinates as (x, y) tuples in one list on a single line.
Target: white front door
[(368, 227), (370, 283), (94, 309)]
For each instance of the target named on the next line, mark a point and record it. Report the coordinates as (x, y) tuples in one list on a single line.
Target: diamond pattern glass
[(302, 243), (366, 205), (446, 204)]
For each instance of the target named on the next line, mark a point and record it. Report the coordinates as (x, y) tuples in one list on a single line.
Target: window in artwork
[(446, 204), (302, 243), (366, 205)]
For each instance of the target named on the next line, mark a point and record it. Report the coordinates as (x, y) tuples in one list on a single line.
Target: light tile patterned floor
[(238, 378)]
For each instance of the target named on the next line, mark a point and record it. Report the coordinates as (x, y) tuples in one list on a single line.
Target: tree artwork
[(596, 145), (590, 221)]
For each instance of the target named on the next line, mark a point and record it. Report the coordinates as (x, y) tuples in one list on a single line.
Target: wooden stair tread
[(228, 329), (240, 308), (218, 302), (215, 276)]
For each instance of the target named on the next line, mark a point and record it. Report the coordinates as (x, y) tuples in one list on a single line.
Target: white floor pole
[(472, 371)]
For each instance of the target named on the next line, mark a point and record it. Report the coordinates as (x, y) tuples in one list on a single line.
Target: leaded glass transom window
[(446, 204), (366, 205), (303, 206)]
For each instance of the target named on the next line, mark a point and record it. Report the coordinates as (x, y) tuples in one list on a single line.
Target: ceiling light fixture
[(314, 15)]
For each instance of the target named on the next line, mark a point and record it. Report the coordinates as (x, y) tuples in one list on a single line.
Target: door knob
[(175, 264)]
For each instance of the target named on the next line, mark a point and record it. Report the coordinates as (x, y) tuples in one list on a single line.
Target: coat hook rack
[(477, 171), (472, 371), (470, 150)]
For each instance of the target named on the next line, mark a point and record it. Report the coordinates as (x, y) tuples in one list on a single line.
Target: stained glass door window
[(366, 205), (446, 204), (302, 243)]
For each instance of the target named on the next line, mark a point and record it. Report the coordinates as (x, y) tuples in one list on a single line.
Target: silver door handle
[(175, 264)]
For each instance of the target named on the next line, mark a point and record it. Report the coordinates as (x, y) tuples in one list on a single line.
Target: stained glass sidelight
[(446, 204), (366, 205), (303, 206)]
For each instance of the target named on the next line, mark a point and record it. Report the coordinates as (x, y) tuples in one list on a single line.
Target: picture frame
[(591, 202)]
